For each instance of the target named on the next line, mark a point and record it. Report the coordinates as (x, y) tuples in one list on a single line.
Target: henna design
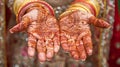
[(76, 34), (43, 31)]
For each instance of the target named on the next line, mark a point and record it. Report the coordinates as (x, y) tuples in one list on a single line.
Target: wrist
[(89, 6), (92, 5), (21, 6)]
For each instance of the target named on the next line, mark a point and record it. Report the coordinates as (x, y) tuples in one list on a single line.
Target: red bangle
[(28, 5)]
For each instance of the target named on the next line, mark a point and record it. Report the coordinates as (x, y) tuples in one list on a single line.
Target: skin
[(76, 34), (43, 33)]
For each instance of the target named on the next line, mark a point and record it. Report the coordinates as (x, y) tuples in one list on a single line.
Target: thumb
[(98, 22), (20, 26)]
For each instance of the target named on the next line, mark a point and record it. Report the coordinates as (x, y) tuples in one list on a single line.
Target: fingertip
[(76, 57), (83, 59), (56, 48), (109, 27), (49, 54), (31, 51), (65, 47), (83, 56), (42, 57), (105, 24), (11, 31), (42, 62), (89, 52), (49, 59)]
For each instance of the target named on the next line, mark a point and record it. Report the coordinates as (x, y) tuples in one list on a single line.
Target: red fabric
[(115, 52)]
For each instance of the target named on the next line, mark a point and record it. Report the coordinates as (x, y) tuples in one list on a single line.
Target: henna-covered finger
[(32, 29), (56, 41), (64, 43), (32, 41), (41, 50), (20, 26), (72, 45), (98, 22), (50, 48), (88, 44), (81, 50), (75, 54), (73, 48)]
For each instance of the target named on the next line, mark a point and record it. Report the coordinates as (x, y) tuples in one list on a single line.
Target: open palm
[(43, 32), (76, 34)]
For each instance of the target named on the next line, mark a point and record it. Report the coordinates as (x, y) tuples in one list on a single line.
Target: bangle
[(20, 9), (79, 7), (75, 7), (91, 4)]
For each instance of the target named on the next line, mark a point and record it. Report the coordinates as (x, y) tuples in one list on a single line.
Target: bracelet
[(20, 9), (89, 6), (92, 3)]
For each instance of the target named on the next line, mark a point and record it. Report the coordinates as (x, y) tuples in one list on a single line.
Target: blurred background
[(106, 42)]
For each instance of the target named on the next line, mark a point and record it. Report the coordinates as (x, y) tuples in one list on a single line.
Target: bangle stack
[(21, 6), (90, 6)]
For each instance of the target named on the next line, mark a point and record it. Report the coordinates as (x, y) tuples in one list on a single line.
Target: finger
[(20, 26), (41, 50), (88, 44), (64, 43), (81, 50), (36, 34), (56, 40), (98, 22), (50, 50), (73, 48), (71, 43), (75, 55), (32, 41)]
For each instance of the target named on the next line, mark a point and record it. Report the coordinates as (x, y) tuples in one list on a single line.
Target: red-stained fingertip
[(31, 51), (42, 57)]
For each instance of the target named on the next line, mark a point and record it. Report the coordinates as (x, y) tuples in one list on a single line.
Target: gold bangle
[(75, 8), (79, 7), (95, 4), (18, 4), (66, 12), (92, 3), (21, 6)]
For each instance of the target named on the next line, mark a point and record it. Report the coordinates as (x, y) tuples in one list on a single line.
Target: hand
[(76, 34), (43, 32)]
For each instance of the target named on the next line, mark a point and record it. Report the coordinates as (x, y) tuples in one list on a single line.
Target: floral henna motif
[(43, 31), (76, 34)]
